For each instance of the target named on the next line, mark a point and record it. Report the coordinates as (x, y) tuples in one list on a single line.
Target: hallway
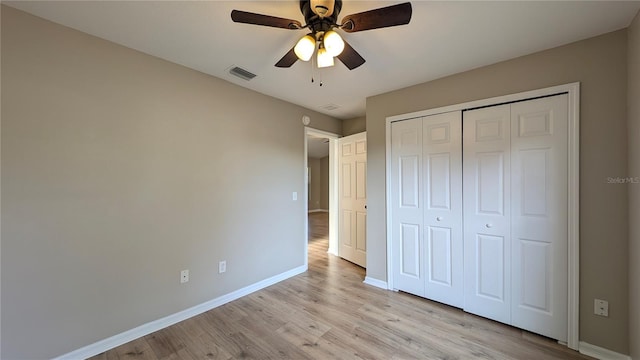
[(318, 236)]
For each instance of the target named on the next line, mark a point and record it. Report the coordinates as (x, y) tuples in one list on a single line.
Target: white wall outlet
[(601, 307), (184, 276), (294, 196), (222, 266)]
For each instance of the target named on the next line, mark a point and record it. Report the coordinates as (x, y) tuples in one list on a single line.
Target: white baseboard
[(153, 326), (318, 210), (601, 353), (375, 282)]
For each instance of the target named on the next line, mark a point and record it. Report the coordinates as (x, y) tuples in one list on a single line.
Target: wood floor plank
[(138, 349), (163, 343), (198, 344), (329, 313), (315, 347)]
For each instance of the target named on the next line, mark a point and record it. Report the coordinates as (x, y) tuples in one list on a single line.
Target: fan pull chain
[(313, 80), (312, 66)]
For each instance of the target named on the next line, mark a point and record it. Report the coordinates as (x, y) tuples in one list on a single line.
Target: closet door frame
[(573, 184)]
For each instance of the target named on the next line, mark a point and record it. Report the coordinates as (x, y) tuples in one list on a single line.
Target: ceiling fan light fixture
[(324, 58), (321, 16), (305, 47), (333, 43)]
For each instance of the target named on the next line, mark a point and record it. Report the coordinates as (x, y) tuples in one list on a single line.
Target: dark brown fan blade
[(264, 20), (379, 18), (288, 59), (350, 58)]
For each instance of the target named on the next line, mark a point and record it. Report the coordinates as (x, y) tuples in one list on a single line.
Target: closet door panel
[(442, 164), (486, 187), (539, 215), (407, 206), (490, 269)]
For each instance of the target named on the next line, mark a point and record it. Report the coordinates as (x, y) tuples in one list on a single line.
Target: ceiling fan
[(321, 18)]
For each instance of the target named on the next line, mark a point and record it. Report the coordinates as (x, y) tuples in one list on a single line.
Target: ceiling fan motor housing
[(321, 14)]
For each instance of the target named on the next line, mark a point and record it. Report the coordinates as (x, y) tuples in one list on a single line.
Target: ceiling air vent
[(329, 107), (242, 73)]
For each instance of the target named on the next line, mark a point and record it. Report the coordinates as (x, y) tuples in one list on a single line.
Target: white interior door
[(539, 215), (407, 206), (353, 198), (487, 242), (442, 184)]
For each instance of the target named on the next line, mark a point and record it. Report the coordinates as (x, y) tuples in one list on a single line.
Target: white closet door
[(352, 177), (407, 207), (442, 174), (486, 182), (539, 215)]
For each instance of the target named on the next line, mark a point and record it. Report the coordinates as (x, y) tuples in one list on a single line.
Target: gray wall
[(354, 126), (119, 170), (633, 104), (600, 65)]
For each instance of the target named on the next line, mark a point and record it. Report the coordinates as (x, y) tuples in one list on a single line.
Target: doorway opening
[(320, 188)]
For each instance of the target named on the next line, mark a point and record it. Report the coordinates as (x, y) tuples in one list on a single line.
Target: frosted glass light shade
[(333, 43), (305, 47), (324, 58)]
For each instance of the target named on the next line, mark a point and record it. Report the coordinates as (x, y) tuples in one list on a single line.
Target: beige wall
[(354, 126), (1, 7), (633, 103), (314, 185), (600, 65), (319, 186), (119, 170), (324, 188)]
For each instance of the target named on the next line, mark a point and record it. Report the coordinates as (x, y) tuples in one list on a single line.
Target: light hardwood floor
[(328, 313)]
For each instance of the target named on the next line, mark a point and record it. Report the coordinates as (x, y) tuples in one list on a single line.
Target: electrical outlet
[(601, 307), (184, 276), (222, 266)]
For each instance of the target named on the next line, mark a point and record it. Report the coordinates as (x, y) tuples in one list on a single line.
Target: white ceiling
[(317, 147), (443, 38)]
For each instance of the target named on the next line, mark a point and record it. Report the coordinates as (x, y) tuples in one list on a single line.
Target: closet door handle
[(439, 218), (488, 226)]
